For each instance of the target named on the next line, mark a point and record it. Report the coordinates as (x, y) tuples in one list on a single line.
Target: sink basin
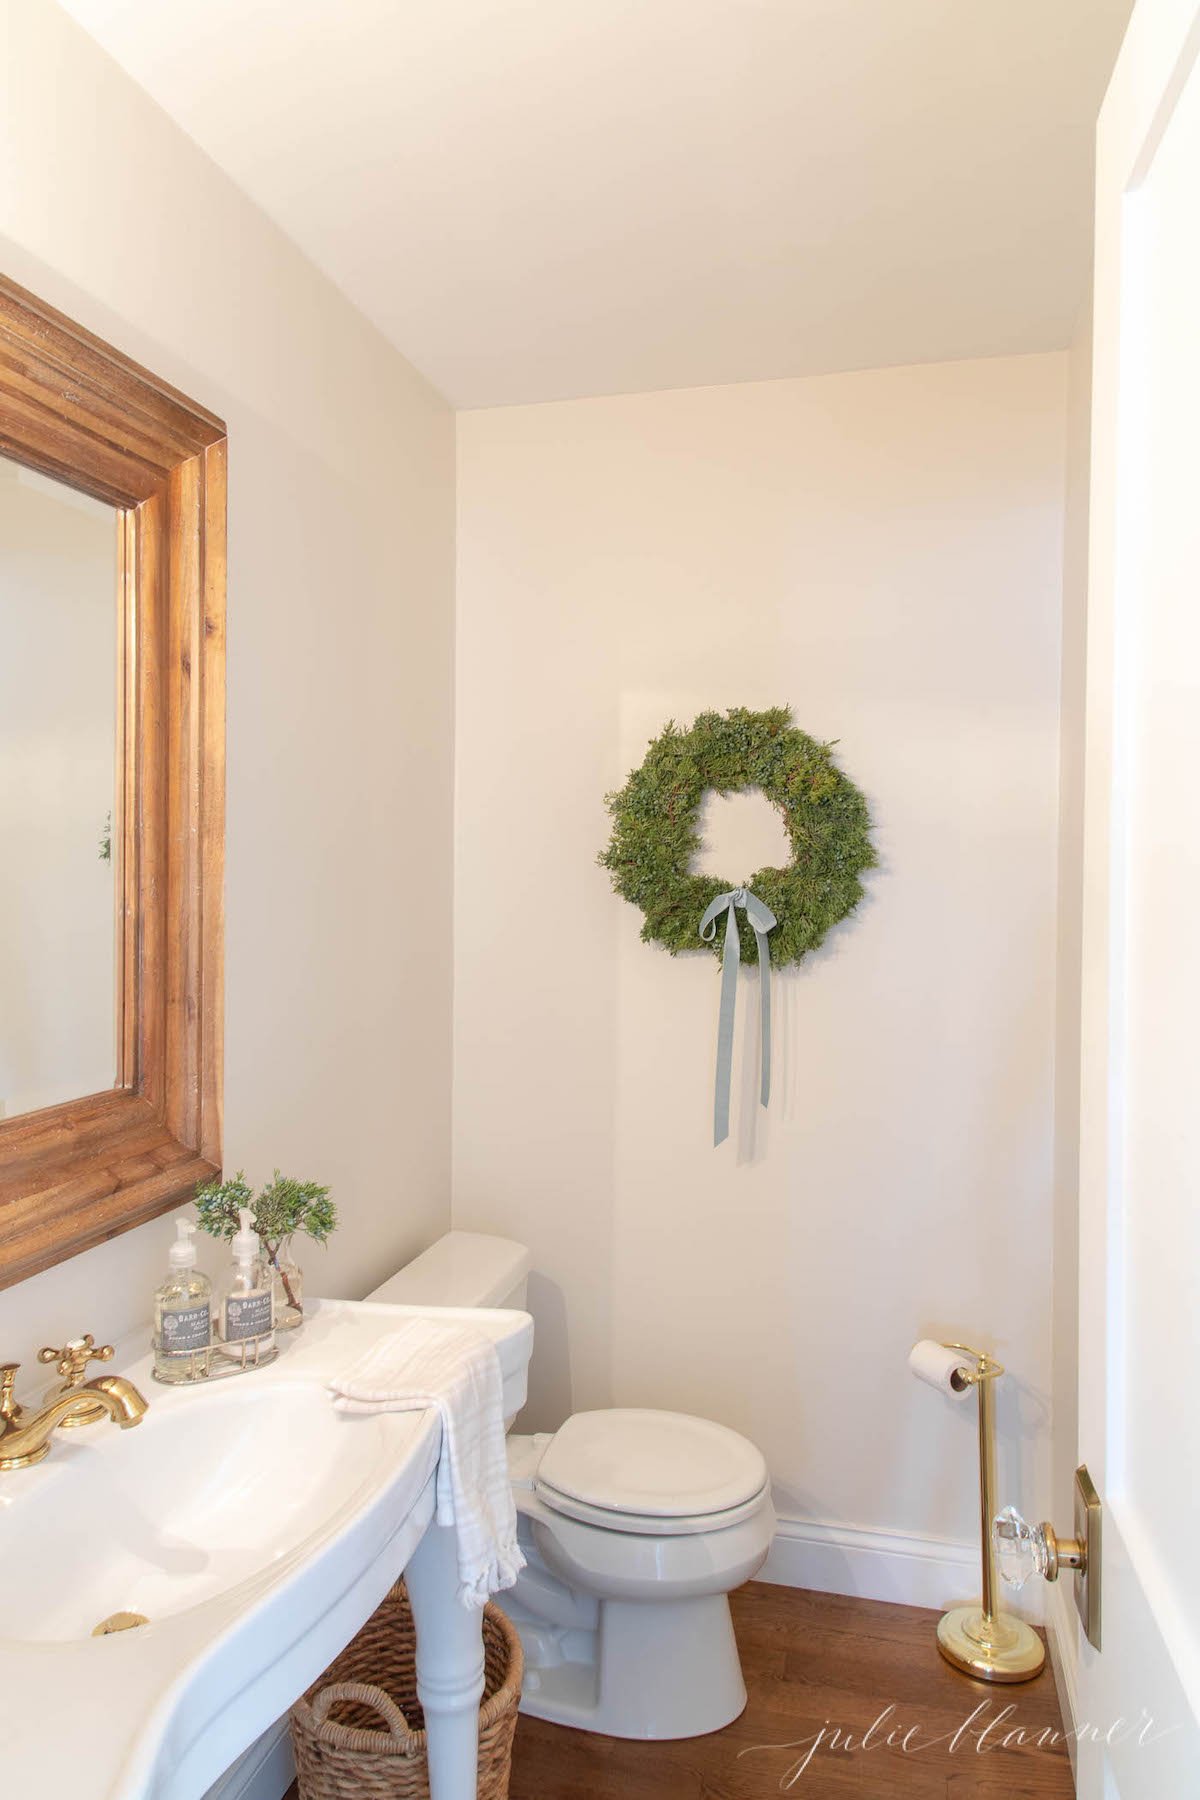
[(252, 1527), (185, 1506)]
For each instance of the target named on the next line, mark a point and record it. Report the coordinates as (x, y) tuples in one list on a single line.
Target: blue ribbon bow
[(762, 919)]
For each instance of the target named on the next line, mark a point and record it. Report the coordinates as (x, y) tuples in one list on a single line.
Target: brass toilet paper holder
[(980, 1639)]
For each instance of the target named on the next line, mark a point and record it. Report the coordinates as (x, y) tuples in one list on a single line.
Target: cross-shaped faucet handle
[(74, 1358)]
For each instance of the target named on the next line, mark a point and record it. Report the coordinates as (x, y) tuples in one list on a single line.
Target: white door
[(1139, 1695)]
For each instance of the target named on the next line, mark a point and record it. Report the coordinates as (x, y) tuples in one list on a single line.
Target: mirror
[(112, 789), (58, 741)]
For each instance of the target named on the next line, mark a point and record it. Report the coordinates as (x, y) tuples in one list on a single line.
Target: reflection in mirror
[(58, 732)]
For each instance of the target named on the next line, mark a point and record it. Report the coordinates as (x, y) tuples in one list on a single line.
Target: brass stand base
[(997, 1649)]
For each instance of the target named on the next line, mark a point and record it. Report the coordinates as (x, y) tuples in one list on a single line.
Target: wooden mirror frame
[(72, 407)]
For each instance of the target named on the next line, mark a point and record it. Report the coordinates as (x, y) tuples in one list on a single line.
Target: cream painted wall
[(340, 660), (883, 551)]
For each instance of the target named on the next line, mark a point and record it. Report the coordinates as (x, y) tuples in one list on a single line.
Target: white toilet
[(635, 1526)]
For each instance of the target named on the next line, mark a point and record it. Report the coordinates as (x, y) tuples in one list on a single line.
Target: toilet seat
[(647, 1524), (633, 1469)]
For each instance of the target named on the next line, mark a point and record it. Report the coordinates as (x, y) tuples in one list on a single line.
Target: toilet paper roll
[(944, 1369)]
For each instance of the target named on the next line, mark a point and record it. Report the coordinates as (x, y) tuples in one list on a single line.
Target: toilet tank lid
[(464, 1268)]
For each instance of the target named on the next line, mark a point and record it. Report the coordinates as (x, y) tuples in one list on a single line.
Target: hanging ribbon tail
[(761, 919), (731, 956)]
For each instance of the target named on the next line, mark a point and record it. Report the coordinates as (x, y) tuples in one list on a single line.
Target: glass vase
[(287, 1279)]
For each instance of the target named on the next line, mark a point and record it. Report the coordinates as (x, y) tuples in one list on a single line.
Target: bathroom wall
[(340, 660), (885, 552)]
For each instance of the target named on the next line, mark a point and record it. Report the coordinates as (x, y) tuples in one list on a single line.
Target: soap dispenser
[(245, 1303), (183, 1314)]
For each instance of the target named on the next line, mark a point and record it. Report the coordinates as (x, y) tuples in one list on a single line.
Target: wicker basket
[(374, 1748)]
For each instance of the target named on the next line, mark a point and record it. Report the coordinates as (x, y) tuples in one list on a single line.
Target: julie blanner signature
[(980, 1733)]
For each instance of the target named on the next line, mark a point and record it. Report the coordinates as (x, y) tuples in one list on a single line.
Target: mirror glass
[(58, 738)]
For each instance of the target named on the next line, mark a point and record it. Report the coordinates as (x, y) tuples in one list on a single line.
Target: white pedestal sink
[(256, 1529)]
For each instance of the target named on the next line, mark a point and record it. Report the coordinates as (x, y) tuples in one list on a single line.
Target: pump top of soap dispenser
[(245, 1242), (182, 1254)]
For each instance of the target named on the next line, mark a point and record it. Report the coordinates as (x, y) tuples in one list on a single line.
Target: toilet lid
[(653, 1464)]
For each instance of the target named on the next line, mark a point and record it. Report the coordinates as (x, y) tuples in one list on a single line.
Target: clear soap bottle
[(245, 1313), (183, 1314)]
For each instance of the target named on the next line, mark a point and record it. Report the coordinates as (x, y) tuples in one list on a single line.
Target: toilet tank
[(464, 1268)]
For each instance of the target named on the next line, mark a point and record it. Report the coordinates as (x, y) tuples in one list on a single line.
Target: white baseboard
[(880, 1565), (1062, 1635)]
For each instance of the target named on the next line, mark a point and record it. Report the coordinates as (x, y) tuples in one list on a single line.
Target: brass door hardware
[(25, 1437), (72, 1361), (1026, 1550), (1089, 1523)]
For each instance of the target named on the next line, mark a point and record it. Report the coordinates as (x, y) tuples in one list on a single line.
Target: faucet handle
[(72, 1361), (74, 1358), (10, 1411)]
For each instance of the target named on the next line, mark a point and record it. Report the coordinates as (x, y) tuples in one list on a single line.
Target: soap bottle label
[(188, 1329), (248, 1316)]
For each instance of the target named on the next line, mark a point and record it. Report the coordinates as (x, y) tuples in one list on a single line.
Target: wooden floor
[(813, 1662), (818, 1663)]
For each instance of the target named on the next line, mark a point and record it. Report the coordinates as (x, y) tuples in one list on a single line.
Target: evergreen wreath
[(655, 832)]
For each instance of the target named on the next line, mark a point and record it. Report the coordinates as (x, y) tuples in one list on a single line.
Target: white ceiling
[(539, 199)]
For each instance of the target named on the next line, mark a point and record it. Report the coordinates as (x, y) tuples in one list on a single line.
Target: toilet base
[(647, 1669)]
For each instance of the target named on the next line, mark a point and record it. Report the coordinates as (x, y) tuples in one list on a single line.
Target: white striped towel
[(454, 1369)]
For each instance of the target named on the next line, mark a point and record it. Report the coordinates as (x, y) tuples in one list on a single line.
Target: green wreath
[(655, 833)]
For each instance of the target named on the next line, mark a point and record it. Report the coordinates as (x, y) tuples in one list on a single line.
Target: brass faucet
[(25, 1439)]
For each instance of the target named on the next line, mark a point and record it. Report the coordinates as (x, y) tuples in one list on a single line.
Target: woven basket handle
[(364, 1695)]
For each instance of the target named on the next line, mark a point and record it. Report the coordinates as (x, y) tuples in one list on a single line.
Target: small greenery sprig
[(218, 1204), (284, 1206)]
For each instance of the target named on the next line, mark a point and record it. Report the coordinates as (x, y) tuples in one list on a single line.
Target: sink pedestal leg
[(449, 1665)]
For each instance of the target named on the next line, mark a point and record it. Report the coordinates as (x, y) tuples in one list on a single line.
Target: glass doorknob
[(1023, 1549)]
